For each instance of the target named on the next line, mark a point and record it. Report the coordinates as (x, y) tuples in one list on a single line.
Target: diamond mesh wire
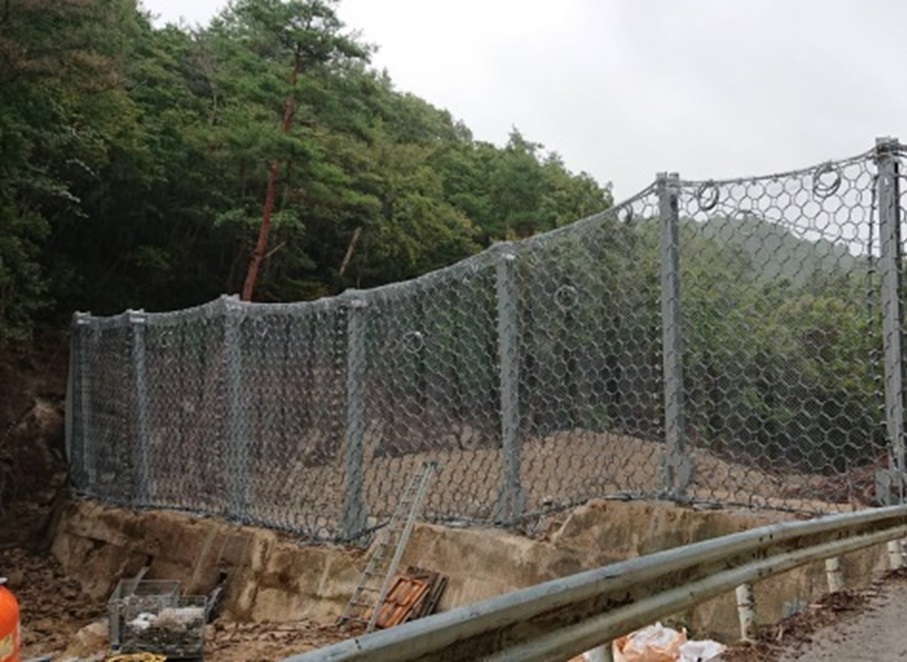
[(534, 373)]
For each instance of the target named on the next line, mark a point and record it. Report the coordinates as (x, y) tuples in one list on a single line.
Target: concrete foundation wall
[(273, 578)]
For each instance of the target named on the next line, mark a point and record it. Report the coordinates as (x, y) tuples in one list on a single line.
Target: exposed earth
[(58, 619), (848, 625)]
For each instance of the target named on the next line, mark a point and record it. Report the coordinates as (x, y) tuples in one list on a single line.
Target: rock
[(15, 578), (42, 626), (89, 640)]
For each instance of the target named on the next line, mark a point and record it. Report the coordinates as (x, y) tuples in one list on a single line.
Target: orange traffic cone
[(9, 625)]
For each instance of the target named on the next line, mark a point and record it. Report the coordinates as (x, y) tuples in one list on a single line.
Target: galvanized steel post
[(834, 575), (137, 323), (80, 403), (603, 653), (676, 468), (892, 317), (70, 404), (746, 612), (895, 554), (237, 439), (510, 501), (354, 517)]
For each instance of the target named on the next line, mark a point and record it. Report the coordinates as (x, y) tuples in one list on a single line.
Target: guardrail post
[(237, 439), (746, 611), (892, 314), (895, 554), (137, 322), (834, 575), (355, 516), (602, 653), (510, 501), (676, 467)]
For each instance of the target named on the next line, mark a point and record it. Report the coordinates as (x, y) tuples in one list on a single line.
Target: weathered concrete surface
[(276, 579)]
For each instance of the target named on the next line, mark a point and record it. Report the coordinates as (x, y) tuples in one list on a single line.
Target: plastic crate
[(177, 630), (145, 595)]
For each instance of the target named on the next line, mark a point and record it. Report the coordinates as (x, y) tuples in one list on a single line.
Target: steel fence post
[(89, 339), (237, 440), (355, 516), (676, 467), (69, 403), (510, 500), (78, 402), (137, 322), (892, 313)]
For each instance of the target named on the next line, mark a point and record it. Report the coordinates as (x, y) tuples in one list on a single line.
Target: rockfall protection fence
[(713, 342)]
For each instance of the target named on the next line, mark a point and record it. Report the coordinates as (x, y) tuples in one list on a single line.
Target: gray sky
[(625, 88)]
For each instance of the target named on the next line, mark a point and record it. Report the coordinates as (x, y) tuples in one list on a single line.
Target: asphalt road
[(878, 633)]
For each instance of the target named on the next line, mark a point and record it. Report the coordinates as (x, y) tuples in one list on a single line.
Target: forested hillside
[(137, 163)]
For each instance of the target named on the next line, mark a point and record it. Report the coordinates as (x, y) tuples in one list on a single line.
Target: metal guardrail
[(564, 617)]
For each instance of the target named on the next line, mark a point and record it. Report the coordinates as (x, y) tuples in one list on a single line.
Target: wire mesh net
[(704, 341), (782, 337)]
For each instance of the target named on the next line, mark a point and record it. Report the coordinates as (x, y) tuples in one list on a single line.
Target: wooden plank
[(433, 597), (404, 595), (437, 583), (412, 595), (409, 593)]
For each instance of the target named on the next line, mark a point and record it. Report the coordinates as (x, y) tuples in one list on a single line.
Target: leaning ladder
[(376, 580)]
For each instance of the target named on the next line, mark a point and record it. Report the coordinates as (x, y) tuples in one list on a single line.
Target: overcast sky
[(625, 88)]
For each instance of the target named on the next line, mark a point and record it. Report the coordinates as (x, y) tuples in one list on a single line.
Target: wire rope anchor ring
[(823, 186), (707, 195), (566, 297), (260, 327), (166, 339), (413, 341)]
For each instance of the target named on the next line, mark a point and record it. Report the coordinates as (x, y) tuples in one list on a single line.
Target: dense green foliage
[(783, 340), (135, 161)]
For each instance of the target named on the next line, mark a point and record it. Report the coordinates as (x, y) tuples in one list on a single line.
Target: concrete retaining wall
[(274, 578)]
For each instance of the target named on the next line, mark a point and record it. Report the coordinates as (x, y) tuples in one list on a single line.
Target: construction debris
[(655, 643), (412, 595), (176, 631), (378, 580), (136, 657), (437, 583)]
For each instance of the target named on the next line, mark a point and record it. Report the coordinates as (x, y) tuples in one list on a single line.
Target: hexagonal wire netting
[(733, 342)]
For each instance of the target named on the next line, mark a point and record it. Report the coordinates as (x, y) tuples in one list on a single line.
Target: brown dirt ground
[(54, 610), (792, 637), (558, 471)]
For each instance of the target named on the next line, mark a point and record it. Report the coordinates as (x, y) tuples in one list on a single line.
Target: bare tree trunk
[(261, 245), (349, 250)]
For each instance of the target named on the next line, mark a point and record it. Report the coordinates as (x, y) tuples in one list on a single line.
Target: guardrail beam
[(564, 617)]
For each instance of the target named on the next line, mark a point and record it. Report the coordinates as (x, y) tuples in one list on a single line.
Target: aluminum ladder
[(378, 576)]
